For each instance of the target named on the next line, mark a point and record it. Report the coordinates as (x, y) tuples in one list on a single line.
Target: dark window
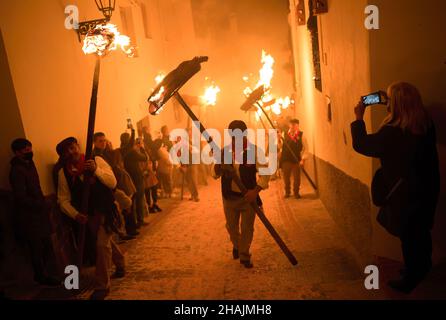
[(314, 32)]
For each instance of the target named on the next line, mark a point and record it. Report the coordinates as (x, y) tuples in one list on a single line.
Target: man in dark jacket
[(292, 157), (238, 211), (100, 147), (30, 206)]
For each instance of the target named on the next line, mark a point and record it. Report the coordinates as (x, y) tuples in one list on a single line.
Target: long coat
[(30, 207), (412, 158)]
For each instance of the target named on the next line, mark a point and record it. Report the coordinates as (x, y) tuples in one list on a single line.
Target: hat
[(64, 144)]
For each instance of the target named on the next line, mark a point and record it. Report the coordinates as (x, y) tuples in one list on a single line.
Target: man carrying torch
[(101, 216), (235, 204)]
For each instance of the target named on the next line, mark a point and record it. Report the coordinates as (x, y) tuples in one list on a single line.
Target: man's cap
[(64, 144)]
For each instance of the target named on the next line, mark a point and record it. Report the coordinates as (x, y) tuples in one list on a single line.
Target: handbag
[(388, 216)]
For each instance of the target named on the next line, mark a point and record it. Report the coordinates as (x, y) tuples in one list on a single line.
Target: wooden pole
[(88, 156), (242, 188)]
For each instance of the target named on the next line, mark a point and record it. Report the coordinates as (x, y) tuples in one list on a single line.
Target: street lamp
[(107, 8)]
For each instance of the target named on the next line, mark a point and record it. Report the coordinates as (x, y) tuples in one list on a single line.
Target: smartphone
[(129, 123), (379, 97)]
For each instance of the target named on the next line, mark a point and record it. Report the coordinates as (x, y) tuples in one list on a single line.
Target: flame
[(210, 95), (160, 77), (275, 108), (105, 38), (157, 97), (266, 72)]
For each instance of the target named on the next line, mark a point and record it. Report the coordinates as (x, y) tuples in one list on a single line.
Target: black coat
[(414, 159), (30, 207)]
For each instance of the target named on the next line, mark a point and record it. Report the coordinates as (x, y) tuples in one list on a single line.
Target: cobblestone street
[(185, 253)]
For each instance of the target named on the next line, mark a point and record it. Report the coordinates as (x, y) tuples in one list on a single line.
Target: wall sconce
[(106, 7)]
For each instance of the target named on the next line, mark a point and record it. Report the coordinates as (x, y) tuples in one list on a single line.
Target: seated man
[(101, 216)]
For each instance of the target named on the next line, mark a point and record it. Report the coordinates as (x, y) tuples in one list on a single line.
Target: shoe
[(297, 196), (235, 254), (119, 273), (48, 282), (152, 210), (133, 234), (247, 264), (196, 199), (157, 209), (100, 294), (287, 196)]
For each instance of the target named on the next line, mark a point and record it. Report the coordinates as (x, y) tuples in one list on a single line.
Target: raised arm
[(370, 145)]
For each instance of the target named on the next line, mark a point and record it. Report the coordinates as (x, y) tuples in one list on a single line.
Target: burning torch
[(169, 87), (100, 40)]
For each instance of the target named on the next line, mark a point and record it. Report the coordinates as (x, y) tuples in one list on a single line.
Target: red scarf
[(295, 136), (76, 169)]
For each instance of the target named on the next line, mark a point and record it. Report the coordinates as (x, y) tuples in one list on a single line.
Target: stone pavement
[(185, 253)]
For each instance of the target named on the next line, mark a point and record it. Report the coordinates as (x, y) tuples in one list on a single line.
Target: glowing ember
[(247, 91), (160, 77), (210, 95), (105, 38)]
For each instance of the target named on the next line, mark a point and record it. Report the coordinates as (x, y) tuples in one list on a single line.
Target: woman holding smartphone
[(406, 187)]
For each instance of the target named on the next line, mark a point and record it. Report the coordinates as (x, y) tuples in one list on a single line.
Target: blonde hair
[(406, 109)]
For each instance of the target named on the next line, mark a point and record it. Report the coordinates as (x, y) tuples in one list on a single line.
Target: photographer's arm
[(370, 145)]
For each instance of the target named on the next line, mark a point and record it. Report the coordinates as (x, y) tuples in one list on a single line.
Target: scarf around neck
[(295, 136), (75, 170)]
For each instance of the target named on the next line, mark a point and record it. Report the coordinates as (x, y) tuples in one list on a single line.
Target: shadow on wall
[(438, 113)]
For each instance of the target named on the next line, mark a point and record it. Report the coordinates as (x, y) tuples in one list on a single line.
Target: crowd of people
[(125, 185)]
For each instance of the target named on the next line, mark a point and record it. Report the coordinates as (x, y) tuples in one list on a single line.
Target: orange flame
[(105, 38), (210, 95), (160, 77)]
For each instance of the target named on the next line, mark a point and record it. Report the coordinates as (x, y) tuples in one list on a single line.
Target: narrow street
[(185, 253)]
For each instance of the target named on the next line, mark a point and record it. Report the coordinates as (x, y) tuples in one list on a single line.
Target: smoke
[(233, 33)]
